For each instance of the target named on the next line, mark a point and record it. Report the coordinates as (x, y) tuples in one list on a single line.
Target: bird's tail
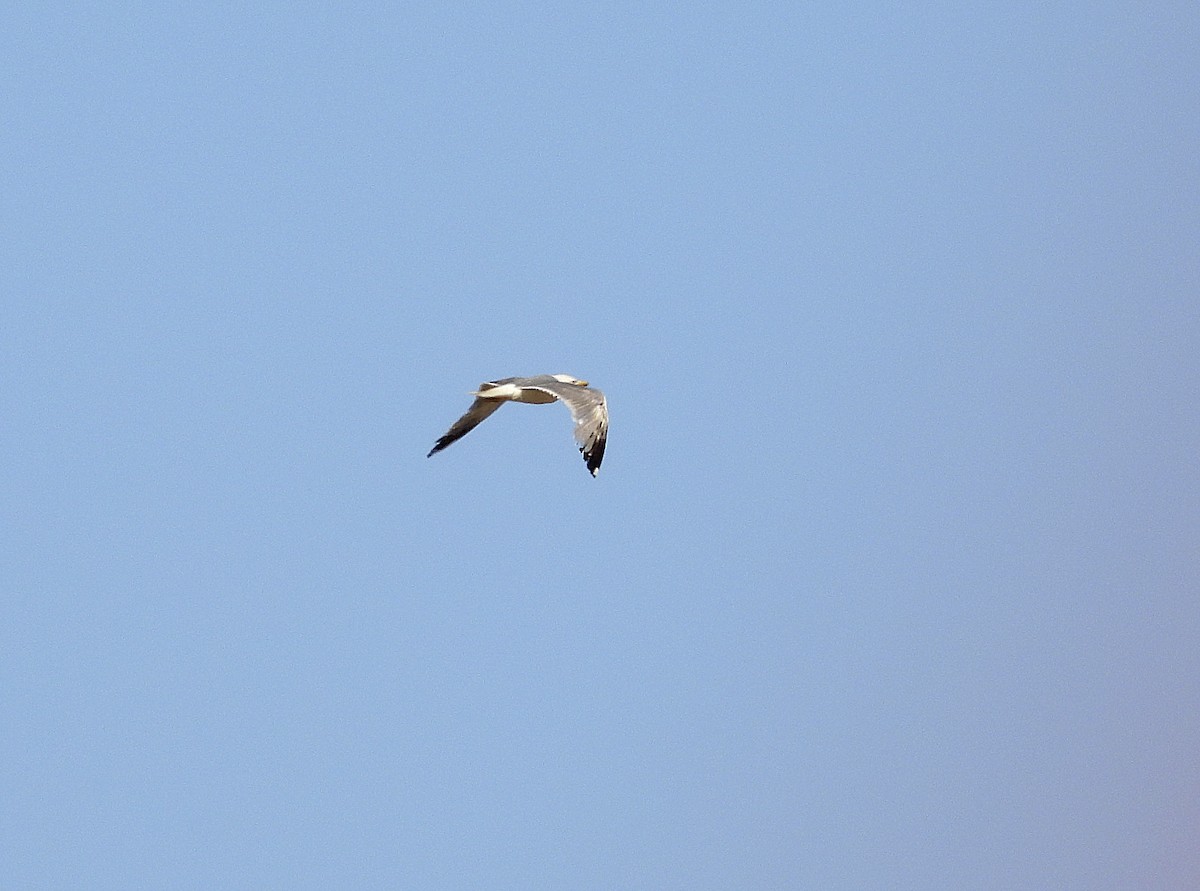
[(485, 388)]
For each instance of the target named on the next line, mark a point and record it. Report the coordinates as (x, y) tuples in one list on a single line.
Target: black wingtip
[(593, 458)]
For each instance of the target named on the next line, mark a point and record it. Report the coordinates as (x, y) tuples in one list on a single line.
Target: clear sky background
[(889, 578)]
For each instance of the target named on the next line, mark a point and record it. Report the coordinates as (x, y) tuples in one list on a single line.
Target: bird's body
[(589, 409)]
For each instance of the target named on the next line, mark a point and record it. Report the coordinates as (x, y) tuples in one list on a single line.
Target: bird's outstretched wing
[(589, 410), (479, 411)]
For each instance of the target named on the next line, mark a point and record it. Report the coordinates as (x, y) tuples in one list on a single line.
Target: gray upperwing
[(479, 411), (589, 410)]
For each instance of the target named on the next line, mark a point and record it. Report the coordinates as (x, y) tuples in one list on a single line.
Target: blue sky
[(889, 579)]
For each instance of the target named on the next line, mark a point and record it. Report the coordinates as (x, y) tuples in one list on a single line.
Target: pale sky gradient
[(890, 576)]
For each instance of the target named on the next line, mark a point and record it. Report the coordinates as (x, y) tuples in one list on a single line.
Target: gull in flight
[(588, 408)]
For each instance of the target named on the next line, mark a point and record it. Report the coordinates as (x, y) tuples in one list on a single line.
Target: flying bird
[(588, 408)]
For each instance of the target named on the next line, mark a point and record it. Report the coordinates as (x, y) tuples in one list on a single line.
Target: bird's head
[(567, 379)]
